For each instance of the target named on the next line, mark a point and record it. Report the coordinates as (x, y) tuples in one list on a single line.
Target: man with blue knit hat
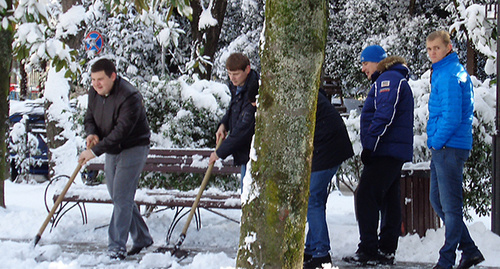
[(387, 140)]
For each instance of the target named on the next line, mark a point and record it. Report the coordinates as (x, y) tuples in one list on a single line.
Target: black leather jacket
[(239, 120), (119, 119)]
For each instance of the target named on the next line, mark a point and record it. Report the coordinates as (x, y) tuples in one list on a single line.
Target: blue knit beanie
[(373, 53)]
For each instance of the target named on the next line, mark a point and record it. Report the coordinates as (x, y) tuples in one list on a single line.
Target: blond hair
[(442, 34)]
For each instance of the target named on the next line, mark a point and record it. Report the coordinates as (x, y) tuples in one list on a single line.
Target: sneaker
[(361, 258), (318, 262), (117, 255), (386, 258), (468, 263), (136, 250)]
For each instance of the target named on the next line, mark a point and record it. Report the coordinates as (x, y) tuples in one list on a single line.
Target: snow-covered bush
[(184, 113), (241, 32), (477, 28), (355, 24), (478, 168), (129, 43)]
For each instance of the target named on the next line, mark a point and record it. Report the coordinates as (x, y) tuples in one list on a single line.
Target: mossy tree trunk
[(274, 216), (5, 63)]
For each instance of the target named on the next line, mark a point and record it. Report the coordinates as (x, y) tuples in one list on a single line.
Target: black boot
[(361, 258), (472, 261), (317, 262)]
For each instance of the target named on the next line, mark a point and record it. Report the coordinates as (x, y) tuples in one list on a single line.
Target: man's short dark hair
[(237, 61), (105, 65)]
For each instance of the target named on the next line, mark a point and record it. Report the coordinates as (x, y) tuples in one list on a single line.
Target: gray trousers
[(122, 173)]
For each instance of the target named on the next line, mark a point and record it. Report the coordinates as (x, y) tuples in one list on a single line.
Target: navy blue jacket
[(387, 115), (331, 141), (119, 119), (239, 120)]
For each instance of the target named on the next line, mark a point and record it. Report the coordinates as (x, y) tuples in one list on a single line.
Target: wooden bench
[(159, 160), (180, 161)]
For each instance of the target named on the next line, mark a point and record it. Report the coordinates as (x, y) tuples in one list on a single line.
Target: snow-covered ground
[(73, 245)]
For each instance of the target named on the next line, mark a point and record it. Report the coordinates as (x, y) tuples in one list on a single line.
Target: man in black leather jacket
[(239, 119), (116, 124)]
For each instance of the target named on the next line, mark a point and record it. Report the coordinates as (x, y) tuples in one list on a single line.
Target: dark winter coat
[(387, 115), (119, 119), (331, 141), (451, 105), (239, 120)]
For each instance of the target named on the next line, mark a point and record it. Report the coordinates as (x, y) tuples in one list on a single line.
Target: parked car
[(35, 125)]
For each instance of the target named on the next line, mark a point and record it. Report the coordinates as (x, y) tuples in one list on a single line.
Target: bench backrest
[(180, 161)]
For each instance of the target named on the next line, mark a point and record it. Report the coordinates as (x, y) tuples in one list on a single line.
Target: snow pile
[(73, 245)]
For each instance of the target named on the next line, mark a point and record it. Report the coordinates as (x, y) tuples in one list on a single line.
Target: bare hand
[(86, 156), (92, 140), (213, 158), (221, 133)]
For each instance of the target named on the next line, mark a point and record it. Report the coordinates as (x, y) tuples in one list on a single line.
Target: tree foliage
[(356, 24)]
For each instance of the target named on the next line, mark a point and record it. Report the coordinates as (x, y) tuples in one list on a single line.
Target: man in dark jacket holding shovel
[(116, 124), (239, 119)]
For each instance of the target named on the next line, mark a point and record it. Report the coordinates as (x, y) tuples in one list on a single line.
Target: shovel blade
[(174, 251), (36, 240)]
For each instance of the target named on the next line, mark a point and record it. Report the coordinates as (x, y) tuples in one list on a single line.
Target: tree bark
[(209, 37), (5, 64), (471, 59), (411, 8), (54, 140), (23, 85), (75, 41), (273, 222)]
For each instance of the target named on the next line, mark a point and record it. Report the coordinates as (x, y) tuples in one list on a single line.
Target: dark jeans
[(378, 194), (317, 239), (446, 198)]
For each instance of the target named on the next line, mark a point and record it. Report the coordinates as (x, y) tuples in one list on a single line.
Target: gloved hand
[(366, 156)]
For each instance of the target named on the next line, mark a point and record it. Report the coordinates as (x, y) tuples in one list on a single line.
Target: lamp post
[(492, 13)]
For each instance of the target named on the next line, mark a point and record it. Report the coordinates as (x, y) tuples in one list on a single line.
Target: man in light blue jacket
[(449, 136)]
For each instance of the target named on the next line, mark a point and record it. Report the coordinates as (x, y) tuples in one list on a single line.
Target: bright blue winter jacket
[(387, 115), (451, 105)]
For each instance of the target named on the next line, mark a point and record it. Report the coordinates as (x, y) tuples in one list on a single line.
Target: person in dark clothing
[(116, 124), (239, 120), (331, 147), (387, 140)]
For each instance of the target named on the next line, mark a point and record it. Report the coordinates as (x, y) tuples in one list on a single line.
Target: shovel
[(176, 249), (57, 203)]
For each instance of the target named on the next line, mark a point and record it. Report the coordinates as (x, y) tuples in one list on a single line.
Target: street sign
[(94, 41)]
